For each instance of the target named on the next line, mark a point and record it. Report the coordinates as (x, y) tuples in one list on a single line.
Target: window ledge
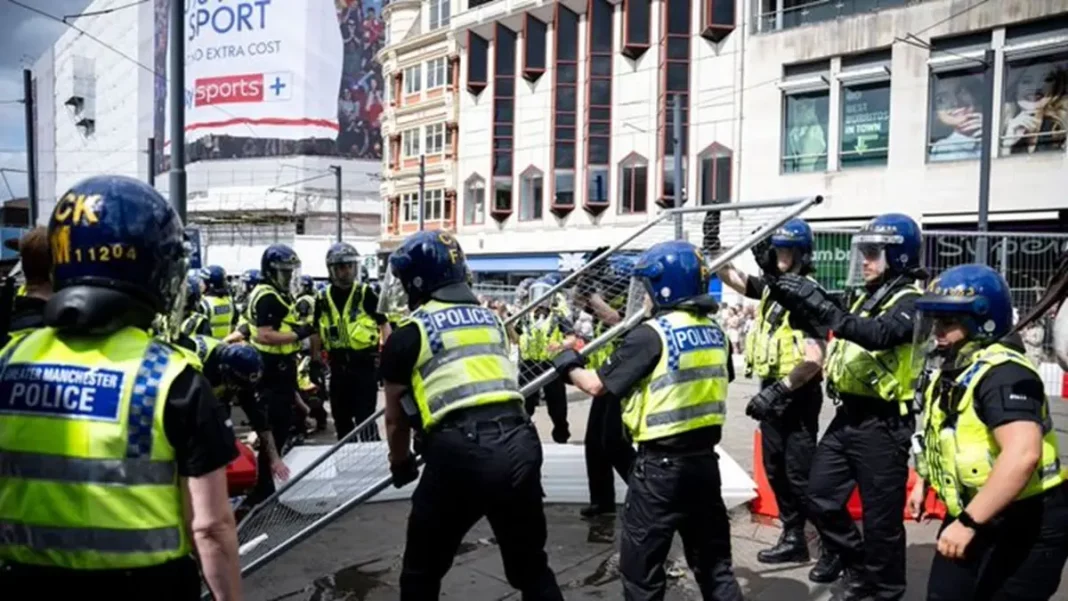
[(716, 33), (595, 208), (533, 75), (476, 87), (634, 51), (667, 203), (561, 210), (499, 215)]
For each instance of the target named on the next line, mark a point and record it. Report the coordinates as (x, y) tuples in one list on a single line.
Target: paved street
[(358, 557)]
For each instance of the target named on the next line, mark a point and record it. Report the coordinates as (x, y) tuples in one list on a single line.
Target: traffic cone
[(764, 504)]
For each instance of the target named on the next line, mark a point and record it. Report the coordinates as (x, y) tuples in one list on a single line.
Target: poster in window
[(1034, 116), (806, 132), (956, 115), (865, 123)]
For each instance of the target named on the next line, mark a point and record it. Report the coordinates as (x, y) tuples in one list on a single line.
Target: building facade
[(566, 112), (260, 170)]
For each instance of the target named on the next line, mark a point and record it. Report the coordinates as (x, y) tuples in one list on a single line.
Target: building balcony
[(780, 15)]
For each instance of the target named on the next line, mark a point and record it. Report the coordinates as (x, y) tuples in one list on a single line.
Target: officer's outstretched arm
[(587, 381), (807, 369), (398, 428), (733, 277), (889, 330), (211, 522), (603, 310), (1021, 451)]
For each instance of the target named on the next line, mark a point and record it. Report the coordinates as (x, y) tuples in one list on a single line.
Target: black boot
[(855, 588), (791, 548), (592, 511), (827, 569)]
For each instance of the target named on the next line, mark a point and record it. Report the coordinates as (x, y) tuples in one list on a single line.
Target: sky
[(24, 36)]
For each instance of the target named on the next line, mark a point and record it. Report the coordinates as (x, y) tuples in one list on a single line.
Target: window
[(410, 142), (474, 201), (958, 89), (1035, 102), (675, 87), (599, 104), (410, 207), (597, 185), (865, 137), (564, 189), (435, 73), (530, 195), (668, 189), (534, 31), (633, 185), (435, 139), (477, 63), (413, 80), (635, 27), (804, 135), (434, 204), (439, 14), (502, 195), (715, 175), (717, 19)]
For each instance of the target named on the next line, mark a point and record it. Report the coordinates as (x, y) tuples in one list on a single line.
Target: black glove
[(799, 293), (404, 472), (303, 331), (766, 259), (567, 361), (769, 403), (315, 373)]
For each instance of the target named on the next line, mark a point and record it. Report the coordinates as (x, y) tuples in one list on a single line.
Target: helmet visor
[(393, 299), (638, 299), (343, 274), (942, 335), (539, 293), (867, 259), (287, 279)]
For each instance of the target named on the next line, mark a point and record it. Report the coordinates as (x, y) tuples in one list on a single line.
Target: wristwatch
[(967, 519)]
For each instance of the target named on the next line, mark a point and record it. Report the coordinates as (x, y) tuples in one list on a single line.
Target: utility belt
[(657, 450), (496, 417), (856, 406), (344, 356)]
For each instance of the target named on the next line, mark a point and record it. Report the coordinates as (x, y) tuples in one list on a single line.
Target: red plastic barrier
[(764, 504), (241, 472)]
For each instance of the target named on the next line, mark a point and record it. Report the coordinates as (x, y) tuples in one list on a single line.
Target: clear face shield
[(867, 257), (168, 325), (392, 299), (638, 299), (539, 292), (942, 339), (344, 275)]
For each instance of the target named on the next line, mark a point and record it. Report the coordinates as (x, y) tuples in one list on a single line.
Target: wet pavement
[(358, 557)]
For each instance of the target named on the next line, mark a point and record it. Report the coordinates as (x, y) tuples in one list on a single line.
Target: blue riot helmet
[(428, 265), (794, 237), (668, 275), (888, 246), (250, 279), (280, 267), (192, 293), (342, 264), (320, 286), (113, 234), (240, 365), (307, 285), (214, 280), (522, 290), (966, 308)]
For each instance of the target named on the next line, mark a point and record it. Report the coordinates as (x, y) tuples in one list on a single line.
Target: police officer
[(275, 332), (305, 302), (448, 374), (542, 334), (785, 350), (36, 258), (100, 449), (602, 293), (987, 447), (249, 280), (349, 327), (217, 304), (195, 322), (670, 373), (870, 375)]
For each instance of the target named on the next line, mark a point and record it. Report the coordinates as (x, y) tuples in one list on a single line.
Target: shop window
[(531, 195), (715, 175), (633, 185), (534, 31), (474, 200), (477, 63)]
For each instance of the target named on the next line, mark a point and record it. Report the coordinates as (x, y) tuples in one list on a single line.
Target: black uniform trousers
[(788, 444), (176, 580), (671, 492), (607, 446), (866, 444), (1020, 558), (555, 393), (277, 392), (484, 462), (353, 391)]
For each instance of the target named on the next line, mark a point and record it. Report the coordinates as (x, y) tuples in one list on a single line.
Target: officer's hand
[(769, 403), (916, 500), (315, 372), (765, 257), (303, 331), (567, 361), (280, 470), (404, 471), (954, 540), (796, 291)]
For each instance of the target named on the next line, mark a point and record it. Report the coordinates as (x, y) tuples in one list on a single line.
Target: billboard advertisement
[(275, 78)]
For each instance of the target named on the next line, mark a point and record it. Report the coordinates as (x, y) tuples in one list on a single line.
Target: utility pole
[(986, 149), (677, 151), (152, 162), (31, 145), (337, 191), (422, 191), (177, 102)]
